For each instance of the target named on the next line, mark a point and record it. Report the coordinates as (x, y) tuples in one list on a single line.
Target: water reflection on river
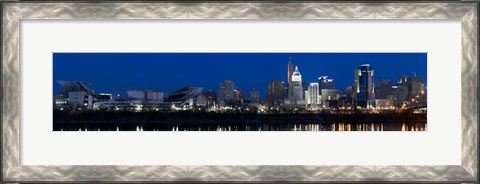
[(417, 126), (313, 127)]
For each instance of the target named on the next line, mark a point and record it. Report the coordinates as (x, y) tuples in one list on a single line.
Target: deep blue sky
[(119, 72)]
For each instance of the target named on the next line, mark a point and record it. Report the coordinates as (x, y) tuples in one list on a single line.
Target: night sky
[(119, 72)]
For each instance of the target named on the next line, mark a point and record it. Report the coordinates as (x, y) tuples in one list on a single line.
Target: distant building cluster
[(409, 92)]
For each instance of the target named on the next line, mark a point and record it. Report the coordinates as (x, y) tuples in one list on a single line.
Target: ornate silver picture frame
[(14, 12)]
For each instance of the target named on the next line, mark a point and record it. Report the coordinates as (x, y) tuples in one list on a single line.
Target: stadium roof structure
[(184, 93), (69, 86)]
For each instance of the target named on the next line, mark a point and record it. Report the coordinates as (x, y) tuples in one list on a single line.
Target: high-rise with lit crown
[(297, 88)]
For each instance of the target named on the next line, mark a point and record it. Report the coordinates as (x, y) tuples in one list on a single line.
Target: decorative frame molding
[(13, 12)]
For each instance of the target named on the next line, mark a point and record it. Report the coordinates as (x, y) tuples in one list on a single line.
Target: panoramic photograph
[(239, 92)]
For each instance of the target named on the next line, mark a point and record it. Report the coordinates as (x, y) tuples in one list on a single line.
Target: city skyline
[(120, 72), (308, 100)]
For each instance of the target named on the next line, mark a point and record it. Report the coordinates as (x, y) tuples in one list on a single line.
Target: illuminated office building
[(364, 87)]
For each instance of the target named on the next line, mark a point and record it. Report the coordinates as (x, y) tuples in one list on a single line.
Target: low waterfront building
[(132, 105), (384, 104), (75, 95), (107, 97), (184, 98), (345, 102), (147, 95), (207, 100)]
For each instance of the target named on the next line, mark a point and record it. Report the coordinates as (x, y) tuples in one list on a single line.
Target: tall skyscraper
[(349, 91), (305, 88), (364, 86), (313, 94), (383, 89), (227, 91), (399, 94), (254, 96), (269, 100), (239, 95), (307, 96), (412, 84), (276, 89), (290, 74), (407, 87), (325, 83), (221, 97), (297, 87)]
